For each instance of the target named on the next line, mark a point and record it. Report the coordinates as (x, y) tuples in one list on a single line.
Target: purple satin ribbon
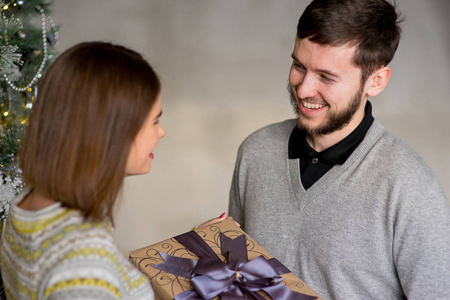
[(237, 279)]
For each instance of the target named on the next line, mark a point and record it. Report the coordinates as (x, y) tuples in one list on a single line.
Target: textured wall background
[(224, 67)]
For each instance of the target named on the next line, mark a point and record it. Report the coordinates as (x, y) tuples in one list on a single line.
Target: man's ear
[(377, 81)]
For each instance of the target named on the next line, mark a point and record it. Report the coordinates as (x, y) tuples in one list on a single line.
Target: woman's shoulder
[(89, 258), (65, 255)]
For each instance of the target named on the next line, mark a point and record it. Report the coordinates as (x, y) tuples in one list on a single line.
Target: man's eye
[(326, 79), (298, 66)]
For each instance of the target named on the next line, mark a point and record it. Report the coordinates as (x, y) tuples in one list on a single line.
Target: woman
[(94, 122)]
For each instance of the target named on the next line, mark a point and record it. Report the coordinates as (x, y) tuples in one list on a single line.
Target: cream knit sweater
[(53, 254)]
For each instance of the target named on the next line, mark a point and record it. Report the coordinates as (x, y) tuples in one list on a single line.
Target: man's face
[(325, 88)]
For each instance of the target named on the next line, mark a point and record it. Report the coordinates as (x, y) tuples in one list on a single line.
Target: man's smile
[(312, 106)]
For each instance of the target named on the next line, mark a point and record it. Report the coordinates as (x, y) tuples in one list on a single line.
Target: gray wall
[(224, 67)]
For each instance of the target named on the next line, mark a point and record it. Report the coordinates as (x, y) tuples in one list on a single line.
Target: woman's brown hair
[(91, 104)]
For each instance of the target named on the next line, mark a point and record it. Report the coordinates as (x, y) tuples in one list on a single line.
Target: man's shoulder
[(395, 157), (267, 135), (393, 147)]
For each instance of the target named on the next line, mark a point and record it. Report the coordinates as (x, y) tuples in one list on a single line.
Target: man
[(343, 203)]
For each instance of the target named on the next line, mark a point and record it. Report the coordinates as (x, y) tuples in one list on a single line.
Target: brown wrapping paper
[(166, 286)]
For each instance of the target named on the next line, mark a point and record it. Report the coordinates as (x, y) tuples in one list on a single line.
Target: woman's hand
[(216, 220)]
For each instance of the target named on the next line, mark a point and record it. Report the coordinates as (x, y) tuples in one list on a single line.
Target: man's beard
[(334, 121)]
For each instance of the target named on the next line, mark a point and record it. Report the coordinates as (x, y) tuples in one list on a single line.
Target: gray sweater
[(376, 227)]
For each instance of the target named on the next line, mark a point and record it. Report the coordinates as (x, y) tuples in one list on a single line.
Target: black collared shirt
[(313, 164)]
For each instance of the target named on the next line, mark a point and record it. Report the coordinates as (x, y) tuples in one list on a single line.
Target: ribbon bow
[(237, 279)]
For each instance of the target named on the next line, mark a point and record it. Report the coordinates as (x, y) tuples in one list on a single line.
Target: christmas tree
[(26, 49)]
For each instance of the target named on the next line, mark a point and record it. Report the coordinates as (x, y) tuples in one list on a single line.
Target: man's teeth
[(312, 105)]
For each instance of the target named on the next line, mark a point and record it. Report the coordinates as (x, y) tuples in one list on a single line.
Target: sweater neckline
[(323, 184), (30, 215)]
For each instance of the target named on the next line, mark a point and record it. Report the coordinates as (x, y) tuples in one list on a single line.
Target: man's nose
[(307, 87)]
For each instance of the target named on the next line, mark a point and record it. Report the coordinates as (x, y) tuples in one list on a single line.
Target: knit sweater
[(53, 253), (376, 227)]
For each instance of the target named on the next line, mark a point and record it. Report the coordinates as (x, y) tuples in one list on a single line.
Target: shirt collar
[(336, 154)]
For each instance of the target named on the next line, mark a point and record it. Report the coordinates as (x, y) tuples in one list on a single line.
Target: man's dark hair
[(370, 25)]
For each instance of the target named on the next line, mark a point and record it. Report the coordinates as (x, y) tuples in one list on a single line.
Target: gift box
[(219, 261)]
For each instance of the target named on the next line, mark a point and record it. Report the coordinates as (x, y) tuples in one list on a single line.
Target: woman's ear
[(377, 81)]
